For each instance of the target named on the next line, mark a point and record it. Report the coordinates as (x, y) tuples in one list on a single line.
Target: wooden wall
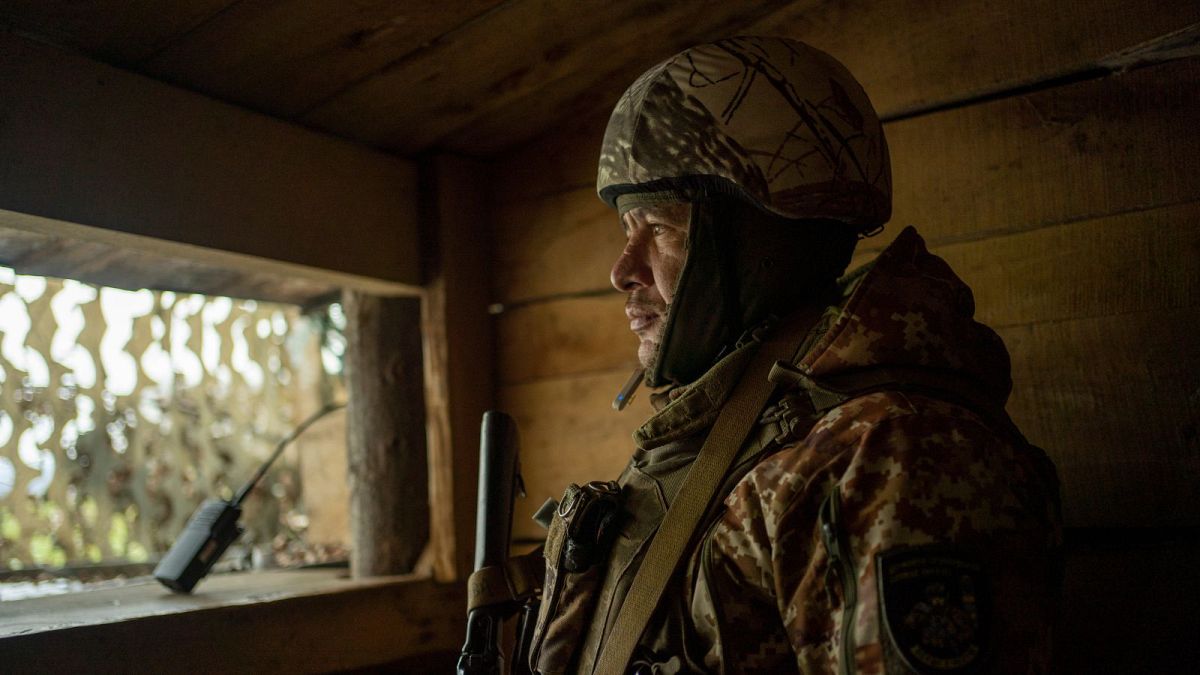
[(1050, 152), (173, 189)]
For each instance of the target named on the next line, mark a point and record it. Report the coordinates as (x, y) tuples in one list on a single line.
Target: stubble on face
[(648, 270), (653, 314)]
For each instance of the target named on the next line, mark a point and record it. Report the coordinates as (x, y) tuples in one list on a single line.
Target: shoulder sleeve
[(944, 539)]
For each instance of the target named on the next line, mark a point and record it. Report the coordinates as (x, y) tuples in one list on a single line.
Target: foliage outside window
[(120, 411)]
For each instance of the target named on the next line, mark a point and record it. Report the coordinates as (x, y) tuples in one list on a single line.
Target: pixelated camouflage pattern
[(912, 469), (773, 119)]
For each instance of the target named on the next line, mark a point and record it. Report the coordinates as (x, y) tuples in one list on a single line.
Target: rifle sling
[(716, 456)]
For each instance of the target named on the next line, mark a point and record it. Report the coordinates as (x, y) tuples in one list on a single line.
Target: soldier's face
[(648, 269)]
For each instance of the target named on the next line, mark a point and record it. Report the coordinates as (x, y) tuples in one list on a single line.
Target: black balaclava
[(743, 266)]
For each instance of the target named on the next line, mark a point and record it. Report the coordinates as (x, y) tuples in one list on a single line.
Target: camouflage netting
[(121, 411)]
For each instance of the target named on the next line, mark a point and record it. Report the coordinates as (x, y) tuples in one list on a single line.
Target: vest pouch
[(580, 535)]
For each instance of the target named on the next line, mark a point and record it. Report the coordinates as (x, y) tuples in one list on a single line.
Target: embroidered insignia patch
[(934, 607)]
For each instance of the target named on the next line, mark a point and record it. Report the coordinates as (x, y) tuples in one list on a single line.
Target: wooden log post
[(388, 464)]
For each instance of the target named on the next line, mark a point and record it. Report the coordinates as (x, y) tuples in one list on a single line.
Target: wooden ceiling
[(470, 76)]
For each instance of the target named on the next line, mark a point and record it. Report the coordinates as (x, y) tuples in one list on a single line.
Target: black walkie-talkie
[(211, 529), (214, 526)]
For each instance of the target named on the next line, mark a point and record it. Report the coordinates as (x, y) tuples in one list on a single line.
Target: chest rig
[(581, 607), (583, 604)]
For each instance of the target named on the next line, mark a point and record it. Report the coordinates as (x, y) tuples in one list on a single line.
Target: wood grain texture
[(1112, 399), (569, 433), (1094, 268), (1114, 402), (92, 145), (912, 55), (1090, 149), (1076, 152), (908, 54), (518, 57), (561, 244), (1102, 267), (385, 423), (1097, 315), (288, 621), (51, 248), (481, 76), (459, 353), (564, 159), (565, 337), (283, 57)]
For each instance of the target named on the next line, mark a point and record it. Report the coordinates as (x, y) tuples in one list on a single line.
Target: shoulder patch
[(935, 609)]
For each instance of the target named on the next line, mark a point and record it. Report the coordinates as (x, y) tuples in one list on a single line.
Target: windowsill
[(145, 597), (313, 620)]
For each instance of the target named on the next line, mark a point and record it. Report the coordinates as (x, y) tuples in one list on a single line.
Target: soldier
[(830, 483)]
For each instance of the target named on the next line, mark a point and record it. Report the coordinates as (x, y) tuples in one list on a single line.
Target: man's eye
[(659, 229)]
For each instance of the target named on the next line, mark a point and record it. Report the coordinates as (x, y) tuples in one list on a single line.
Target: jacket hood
[(910, 310), (905, 317)]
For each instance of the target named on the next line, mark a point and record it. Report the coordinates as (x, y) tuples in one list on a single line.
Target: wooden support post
[(388, 463), (458, 350)]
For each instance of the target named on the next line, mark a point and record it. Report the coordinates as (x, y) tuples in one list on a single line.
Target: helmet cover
[(767, 119)]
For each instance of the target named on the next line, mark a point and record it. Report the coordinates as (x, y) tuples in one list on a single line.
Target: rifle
[(490, 594)]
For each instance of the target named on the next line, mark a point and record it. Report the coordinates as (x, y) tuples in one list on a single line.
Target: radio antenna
[(283, 443)]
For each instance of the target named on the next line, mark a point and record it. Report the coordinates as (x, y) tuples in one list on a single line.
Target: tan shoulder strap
[(729, 431)]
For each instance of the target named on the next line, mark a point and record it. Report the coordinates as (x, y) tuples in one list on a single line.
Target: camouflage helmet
[(768, 119)]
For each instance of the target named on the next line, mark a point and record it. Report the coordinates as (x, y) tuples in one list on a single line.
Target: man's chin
[(647, 353)]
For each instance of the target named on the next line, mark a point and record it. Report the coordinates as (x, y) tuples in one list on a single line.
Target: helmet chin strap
[(742, 265), (689, 345), (705, 312)]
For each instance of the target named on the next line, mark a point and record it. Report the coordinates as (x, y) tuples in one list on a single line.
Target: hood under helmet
[(782, 156)]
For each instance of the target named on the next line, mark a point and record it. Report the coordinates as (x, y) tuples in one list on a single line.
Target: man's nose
[(632, 270)]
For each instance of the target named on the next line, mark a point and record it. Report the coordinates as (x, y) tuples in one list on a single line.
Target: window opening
[(120, 411)]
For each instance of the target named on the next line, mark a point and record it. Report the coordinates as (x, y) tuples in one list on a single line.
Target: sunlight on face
[(648, 269)]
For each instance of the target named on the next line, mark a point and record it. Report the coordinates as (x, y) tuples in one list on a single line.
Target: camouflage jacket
[(884, 517)]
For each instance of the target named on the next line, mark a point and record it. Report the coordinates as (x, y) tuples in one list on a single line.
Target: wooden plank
[(1127, 263), (908, 54), (569, 434), (1072, 153), (560, 337), (48, 247), (47, 250), (92, 145), (1090, 149), (913, 55), (1113, 401), (562, 160), (1097, 316), (282, 57), (295, 621), (457, 333), (561, 244), (120, 32), (940, 63), (385, 421), (648, 36), (1117, 265), (511, 56)]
